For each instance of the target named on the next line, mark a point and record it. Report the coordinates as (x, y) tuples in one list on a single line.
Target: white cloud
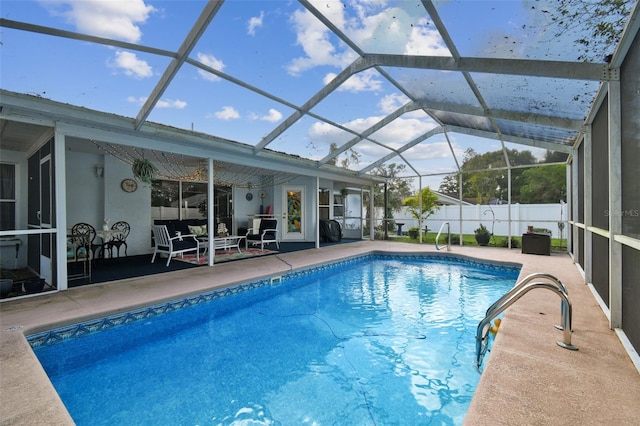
[(272, 117), (425, 41), (129, 63), (430, 151), (111, 19), (177, 104), (140, 100), (396, 134), (210, 61), (374, 26), (364, 81), (227, 113), (323, 135), (402, 130), (167, 103), (314, 38), (255, 22), (392, 102)]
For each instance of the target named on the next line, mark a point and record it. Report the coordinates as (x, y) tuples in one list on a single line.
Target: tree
[(449, 185), (485, 176), (555, 157), (544, 185), (482, 182), (602, 20), (351, 157), (429, 204)]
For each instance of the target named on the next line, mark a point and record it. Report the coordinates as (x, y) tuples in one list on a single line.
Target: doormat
[(225, 256)]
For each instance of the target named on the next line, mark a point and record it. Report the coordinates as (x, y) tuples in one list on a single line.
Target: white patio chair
[(268, 233), (179, 244)]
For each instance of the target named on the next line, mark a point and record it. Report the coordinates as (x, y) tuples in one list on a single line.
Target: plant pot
[(483, 239), (6, 285), (33, 285)]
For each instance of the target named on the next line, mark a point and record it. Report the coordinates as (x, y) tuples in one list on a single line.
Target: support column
[(615, 206), (317, 232), (211, 219), (372, 219), (60, 200), (569, 211), (460, 219), (509, 206), (574, 207), (588, 206)]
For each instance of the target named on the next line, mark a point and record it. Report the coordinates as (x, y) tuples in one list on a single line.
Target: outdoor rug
[(225, 256)]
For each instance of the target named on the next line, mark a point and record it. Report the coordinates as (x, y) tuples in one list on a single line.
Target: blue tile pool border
[(57, 335)]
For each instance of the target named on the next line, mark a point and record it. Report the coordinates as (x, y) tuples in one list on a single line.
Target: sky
[(279, 47)]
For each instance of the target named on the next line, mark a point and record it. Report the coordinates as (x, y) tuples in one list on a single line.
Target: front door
[(293, 216)]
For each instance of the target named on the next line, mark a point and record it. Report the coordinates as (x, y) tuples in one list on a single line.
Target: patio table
[(223, 243)]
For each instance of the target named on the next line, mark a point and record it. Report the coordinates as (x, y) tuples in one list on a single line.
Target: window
[(178, 200), (7, 197), (188, 200)]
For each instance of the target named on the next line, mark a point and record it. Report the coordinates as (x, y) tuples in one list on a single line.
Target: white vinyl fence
[(496, 218)]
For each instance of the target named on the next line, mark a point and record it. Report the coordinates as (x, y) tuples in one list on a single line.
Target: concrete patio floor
[(527, 379)]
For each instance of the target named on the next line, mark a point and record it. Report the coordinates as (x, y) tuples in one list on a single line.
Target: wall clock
[(249, 196), (129, 185)]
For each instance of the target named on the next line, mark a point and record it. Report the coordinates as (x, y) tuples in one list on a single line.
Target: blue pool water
[(376, 340)]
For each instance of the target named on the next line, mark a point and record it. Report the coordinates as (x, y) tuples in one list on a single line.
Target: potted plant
[(6, 284), (144, 170), (482, 235), (34, 285), (413, 232)]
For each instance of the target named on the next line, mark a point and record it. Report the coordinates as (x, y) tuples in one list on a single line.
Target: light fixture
[(99, 171)]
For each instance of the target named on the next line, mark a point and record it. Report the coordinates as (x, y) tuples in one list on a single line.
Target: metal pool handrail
[(448, 235), (513, 295), (525, 281)]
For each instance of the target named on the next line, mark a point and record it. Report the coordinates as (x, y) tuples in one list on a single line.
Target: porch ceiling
[(355, 85)]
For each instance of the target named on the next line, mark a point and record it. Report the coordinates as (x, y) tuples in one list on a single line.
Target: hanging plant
[(144, 170)]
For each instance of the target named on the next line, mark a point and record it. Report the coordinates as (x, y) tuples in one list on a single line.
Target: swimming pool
[(377, 339)]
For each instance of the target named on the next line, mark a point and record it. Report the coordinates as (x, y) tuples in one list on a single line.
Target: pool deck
[(528, 378)]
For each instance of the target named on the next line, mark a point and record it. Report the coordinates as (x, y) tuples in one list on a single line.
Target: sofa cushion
[(198, 230), (182, 226), (187, 243)]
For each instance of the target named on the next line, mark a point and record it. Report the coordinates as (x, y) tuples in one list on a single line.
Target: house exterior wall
[(92, 200)]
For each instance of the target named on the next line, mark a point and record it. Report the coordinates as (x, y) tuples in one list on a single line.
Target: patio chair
[(120, 239), (267, 233), (173, 245), (83, 236)]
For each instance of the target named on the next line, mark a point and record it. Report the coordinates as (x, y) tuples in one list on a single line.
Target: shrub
[(504, 242)]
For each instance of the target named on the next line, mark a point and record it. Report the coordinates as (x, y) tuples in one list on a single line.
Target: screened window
[(7, 197)]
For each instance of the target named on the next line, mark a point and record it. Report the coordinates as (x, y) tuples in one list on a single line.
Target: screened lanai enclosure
[(246, 108)]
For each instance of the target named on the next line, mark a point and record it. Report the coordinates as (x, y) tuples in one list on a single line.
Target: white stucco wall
[(92, 200), (134, 207)]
